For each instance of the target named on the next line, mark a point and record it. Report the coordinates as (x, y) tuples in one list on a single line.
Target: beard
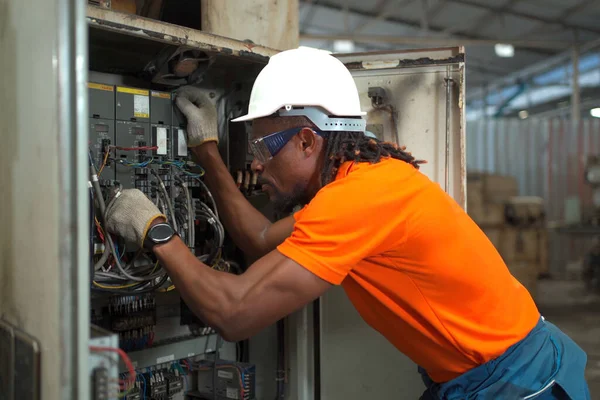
[(284, 203)]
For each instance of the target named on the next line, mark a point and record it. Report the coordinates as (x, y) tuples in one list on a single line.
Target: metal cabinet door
[(423, 94)]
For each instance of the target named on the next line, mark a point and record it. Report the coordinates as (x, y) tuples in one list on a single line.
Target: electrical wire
[(104, 162), (108, 281), (166, 198), (210, 196), (190, 211), (124, 357), (138, 289)]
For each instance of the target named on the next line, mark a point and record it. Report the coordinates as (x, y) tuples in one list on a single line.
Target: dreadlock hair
[(344, 146)]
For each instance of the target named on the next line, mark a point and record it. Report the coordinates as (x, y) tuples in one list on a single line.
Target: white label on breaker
[(161, 141), (165, 359), (181, 143), (225, 374), (232, 393), (141, 106)]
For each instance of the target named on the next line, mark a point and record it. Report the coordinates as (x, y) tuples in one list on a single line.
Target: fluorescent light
[(504, 50), (343, 46), (595, 112), (523, 114)]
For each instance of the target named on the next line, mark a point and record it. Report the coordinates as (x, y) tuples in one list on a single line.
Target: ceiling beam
[(435, 10), (575, 9), (437, 41), (481, 22), (424, 18), (537, 68), (526, 15), (383, 12), (543, 27), (539, 50)]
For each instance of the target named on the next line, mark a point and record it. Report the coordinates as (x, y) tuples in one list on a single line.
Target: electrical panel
[(233, 380), (138, 140), (133, 143)]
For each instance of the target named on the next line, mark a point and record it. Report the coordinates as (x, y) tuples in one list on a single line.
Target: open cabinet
[(113, 75)]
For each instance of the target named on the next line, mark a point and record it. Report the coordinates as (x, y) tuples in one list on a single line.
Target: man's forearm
[(212, 295), (244, 223)]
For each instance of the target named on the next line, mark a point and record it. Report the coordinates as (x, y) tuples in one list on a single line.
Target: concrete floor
[(577, 313)]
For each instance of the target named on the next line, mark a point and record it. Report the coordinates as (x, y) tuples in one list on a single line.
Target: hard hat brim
[(252, 116)]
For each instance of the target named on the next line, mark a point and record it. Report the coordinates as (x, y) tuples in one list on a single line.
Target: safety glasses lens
[(259, 150)]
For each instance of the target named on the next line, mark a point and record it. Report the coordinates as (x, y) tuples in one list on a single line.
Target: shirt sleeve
[(341, 226)]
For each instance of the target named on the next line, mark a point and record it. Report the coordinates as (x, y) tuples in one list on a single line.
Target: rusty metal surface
[(416, 117), (547, 156), (403, 58), (134, 25)]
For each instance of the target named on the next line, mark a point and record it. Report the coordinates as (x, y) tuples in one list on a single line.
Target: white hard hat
[(310, 82)]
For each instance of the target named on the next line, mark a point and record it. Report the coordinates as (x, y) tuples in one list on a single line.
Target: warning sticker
[(181, 144), (141, 106), (225, 374), (162, 95), (141, 92), (100, 86), (161, 141), (232, 393)]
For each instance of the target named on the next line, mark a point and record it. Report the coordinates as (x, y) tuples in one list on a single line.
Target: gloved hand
[(200, 113), (130, 214)]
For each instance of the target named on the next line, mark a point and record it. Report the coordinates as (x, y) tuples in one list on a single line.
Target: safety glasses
[(267, 147)]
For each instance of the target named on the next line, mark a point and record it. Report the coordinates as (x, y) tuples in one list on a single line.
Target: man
[(412, 262)]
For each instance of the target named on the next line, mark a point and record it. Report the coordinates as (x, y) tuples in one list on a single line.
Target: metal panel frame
[(74, 225), (172, 34)]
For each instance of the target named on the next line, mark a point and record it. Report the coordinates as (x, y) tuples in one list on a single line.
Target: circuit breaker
[(161, 118), (178, 136), (101, 112), (101, 101), (131, 162), (102, 135)]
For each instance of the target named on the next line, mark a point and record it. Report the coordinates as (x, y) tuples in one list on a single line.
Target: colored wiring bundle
[(125, 272)]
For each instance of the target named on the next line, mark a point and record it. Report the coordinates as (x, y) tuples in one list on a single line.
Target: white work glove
[(130, 214), (201, 115)]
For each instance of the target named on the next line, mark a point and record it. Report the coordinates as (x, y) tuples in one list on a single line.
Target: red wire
[(122, 354), (99, 232)]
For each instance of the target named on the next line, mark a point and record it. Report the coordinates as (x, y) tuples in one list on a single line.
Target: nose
[(257, 166)]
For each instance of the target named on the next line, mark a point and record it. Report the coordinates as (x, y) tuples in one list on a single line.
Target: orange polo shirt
[(415, 266)]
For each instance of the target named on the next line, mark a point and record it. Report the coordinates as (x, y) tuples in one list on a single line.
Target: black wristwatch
[(159, 234)]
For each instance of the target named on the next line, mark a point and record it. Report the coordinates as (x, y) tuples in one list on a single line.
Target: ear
[(309, 141)]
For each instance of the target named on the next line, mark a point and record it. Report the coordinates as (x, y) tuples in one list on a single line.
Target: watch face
[(161, 233)]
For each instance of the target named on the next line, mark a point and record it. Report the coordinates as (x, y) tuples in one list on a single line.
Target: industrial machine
[(104, 103)]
